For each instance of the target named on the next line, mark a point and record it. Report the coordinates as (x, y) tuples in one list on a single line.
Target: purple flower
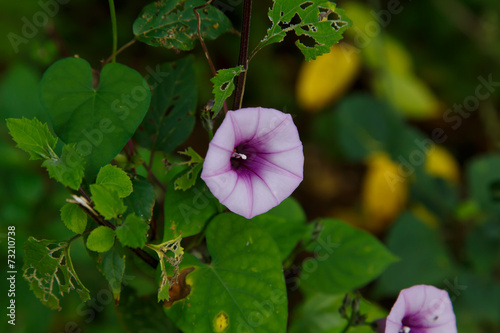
[(254, 161), (420, 309)]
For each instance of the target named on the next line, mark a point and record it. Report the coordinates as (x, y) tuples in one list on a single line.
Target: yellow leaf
[(389, 53), (322, 81), (384, 192), (441, 163)]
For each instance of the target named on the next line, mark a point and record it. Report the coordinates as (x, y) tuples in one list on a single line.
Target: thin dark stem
[(151, 174), (243, 59), (113, 25), (203, 45)]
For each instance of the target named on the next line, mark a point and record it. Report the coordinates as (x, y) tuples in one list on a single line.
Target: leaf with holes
[(170, 119), (49, 271), (223, 86), (99, 120), (319, 20), (173, 24), (243, 286)]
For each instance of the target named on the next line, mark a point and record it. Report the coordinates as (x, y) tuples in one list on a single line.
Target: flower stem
[(112, 56), (243, 59), (113, 25)]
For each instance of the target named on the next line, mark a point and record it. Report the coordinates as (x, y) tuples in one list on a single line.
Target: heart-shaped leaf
[(99, 120)]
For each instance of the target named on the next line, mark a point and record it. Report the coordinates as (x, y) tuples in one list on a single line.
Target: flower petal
[(424, 309)]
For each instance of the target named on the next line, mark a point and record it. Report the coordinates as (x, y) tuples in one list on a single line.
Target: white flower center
[(405, 329), (239, 155)]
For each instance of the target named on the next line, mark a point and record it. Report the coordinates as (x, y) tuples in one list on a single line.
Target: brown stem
[(243, 59), (118, 52), (151, 174), (202, 42)]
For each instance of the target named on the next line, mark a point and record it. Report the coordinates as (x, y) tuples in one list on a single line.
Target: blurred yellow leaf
[(408, 94), (322, 81), (389, 53), (382, 197), (425, 215), (441, 163)]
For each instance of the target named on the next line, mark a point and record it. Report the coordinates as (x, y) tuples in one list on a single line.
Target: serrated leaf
[(142, 200), (74, 217), (99, 120), (188, 179), (187, 212), (242, 286), (106, 201), (173, 25), (330, 272), (33, 137), (132, 232), (49, 271), (67, 169), (101, 239), (317, 19), (223, 86), (113, 268), (170, 119), (114, 178)]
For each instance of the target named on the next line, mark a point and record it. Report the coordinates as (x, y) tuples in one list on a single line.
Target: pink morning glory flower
[(254, 161), (420, 309)]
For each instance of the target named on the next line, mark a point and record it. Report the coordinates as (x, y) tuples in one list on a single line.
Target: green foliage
[(74, 217), (142, 199), (132, 232), (115, 179), (320, 313), (286, 223), (330, 272), (187, 212), (484, 182), (68, 169), (406, 240), (99, 120), (224, 86), (49, 271), (113, 268), (188, 179), (101, 239), (107, 202), (319, 20), (243, 283), (33, 137), (170, 119), (173, 25)]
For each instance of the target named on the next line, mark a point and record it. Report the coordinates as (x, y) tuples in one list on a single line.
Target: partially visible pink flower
[(254, 161), (420, 309)]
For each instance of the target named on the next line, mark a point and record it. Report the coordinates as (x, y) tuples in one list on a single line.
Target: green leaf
[(173, 24), (107, 202), (67, 169), (317, 19), (142, 314), (99, 120), (113, 268), (33, 137), (74, 218), (114, 178), (484, 181), (320, 313), (223, 86), (418, 246), (243, 287), (132, 232), (365, 125), (187, 212), (346, 258), (286, 223), (188, 179), (170, 119), (49, 271), (101, 239), (142, 200)]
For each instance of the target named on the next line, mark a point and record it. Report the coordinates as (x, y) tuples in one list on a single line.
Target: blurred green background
[(401, 73)]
